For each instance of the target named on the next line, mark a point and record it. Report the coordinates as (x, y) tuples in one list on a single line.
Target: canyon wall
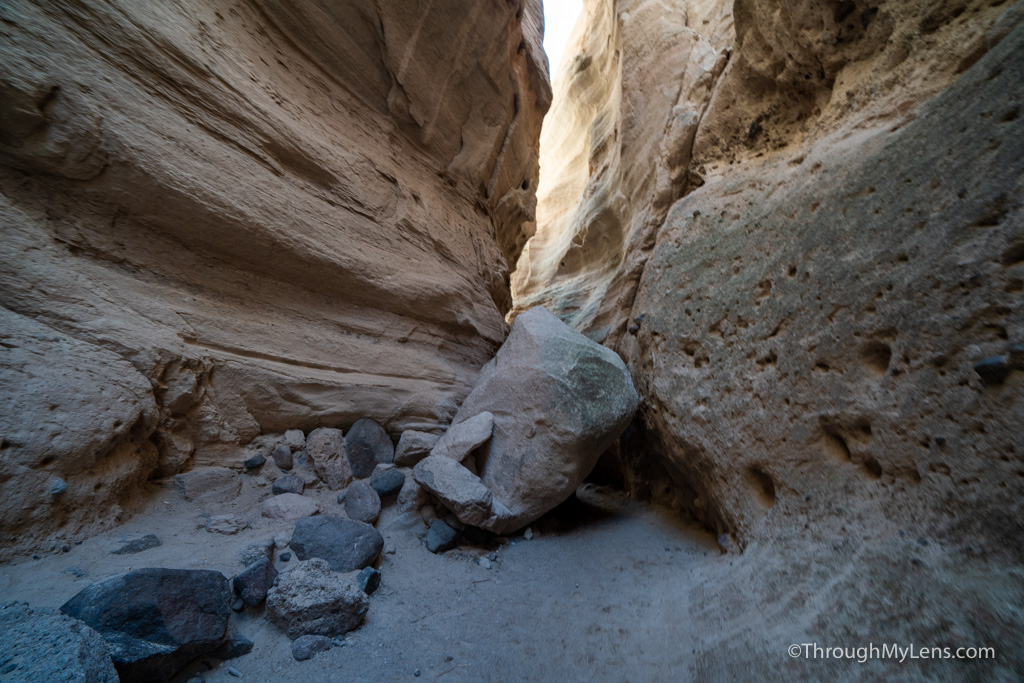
[(825, 325), (233, 217)]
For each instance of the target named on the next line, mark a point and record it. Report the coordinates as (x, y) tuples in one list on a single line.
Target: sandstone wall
[(846, 250), (222, 218)]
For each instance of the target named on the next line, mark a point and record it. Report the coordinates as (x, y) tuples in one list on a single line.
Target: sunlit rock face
[(823, 322), (228, 218)]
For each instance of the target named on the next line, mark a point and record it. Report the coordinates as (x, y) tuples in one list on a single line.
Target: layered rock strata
[(223, 218)]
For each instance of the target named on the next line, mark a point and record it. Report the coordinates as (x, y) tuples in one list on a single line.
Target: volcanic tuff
[(223, 217)]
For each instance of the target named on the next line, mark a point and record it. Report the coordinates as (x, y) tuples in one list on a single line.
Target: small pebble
[(234, 672), (58, 486), (416, 673), (281, 541), (484, 562), (238, 605), (255, 461), (528, 534), (369, 580), (286, 556)]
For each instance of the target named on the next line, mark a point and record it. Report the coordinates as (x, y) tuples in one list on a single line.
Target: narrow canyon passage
[(266, 327)]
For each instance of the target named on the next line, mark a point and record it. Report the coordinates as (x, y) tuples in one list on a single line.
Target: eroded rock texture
[(226, 217), (805, 323)]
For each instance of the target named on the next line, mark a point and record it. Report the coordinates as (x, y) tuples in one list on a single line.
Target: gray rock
[(42, 645), (306, 647), (155, 621), (282, 457), (234, 672), (209, 485), (294, 439), (413, 446), (288, 484), (136, 544), (254, 552), (412, 497), (236, 646), (310, 599), (347, 545), (440, 537), (387, 482), (254, 461), (286, 556), (326, 449), (461, 490), (367, 445), (238, 605), (289, 506), (368, 580), (463, 438), (58, 486), (581, 398), (253, 582), (361, 502), (229, 525)]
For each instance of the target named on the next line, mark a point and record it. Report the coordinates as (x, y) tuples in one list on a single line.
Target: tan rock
[(289, 507)]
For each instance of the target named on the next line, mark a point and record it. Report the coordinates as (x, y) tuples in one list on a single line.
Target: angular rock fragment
[(254, 552), (368, 580), (289, 507), (412, 497), (441, 537), (282, 457), (294, 439), (253, 582), (156, 620), (367, 445), (136, 544), (362, 503), (288, 484), (464, 437), (307, 647), (310, 599), (413, 446), (326, 448), (558, 401), (347, 545), (228, 525), (41, 645), (209, 485)]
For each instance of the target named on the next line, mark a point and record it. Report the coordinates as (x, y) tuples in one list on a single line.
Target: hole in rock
[(762, 485)]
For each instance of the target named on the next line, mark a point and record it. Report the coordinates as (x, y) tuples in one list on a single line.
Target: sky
[(559, 19)]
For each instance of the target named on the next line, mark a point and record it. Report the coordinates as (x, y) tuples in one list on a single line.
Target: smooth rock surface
[(289, 506), (413, 446), (310, 599), (558, 401), (387, 482), (346, 544), (464, 437), (362, 502), (368, 445), (155, 620), (42, 645), (307, 647)]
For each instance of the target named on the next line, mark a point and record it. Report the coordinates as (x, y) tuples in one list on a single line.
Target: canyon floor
[(606, 589)]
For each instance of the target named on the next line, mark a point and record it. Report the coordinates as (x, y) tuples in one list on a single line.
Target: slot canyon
[(352, 340)]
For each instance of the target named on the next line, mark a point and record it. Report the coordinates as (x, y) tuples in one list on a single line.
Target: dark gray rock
[(413, 446), (440, 537), (347, 545), (286, 556), (255, 461), (155, 621), (310, 599), (367, 445), (238, 605), (368, 580), (361, 502), (282, 457), (387, 482), (136, 544), (288, 484), (253, 582), (236, 646), (993, 370), (42, 645), (306, 647)]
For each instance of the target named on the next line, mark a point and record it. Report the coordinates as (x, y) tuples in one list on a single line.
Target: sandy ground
[(607, 589)]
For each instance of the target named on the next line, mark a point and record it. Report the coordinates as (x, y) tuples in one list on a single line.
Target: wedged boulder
[(413, 446), (44, 645), (347, 545), (465, 437), (310, 599), (368, 445), (558, 400), (155, 621), (326, 447)]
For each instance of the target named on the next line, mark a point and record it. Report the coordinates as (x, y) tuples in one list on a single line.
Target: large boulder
[(347, 545), (558, 400), (155, 621), (362, 503), (44, 645), (310, 599), (368, 445)]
